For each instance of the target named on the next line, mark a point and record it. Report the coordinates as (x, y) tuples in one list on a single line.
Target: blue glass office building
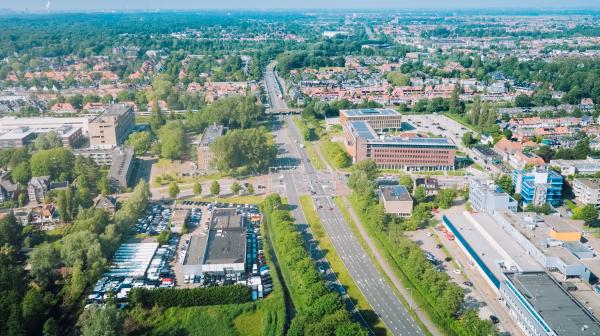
[(538, 186)]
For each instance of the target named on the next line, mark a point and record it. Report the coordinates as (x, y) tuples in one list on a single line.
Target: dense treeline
[(61, 166), (319, 311), (435, 292), (244, 151), (61, 270), (176, 297), (579, 78), (232, 112)]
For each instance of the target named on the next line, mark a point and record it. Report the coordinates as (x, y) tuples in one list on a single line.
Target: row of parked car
[(155, 220)]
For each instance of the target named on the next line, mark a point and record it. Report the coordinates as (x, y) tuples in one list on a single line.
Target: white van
[(186, 279)]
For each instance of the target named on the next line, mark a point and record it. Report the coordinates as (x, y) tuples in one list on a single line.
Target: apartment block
[(487, 197), (590, 165), (587, 191), (205, 155), (538, 186), (121, 168), (111, 128)]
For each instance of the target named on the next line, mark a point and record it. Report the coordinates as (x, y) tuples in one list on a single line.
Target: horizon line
[(302, 9)]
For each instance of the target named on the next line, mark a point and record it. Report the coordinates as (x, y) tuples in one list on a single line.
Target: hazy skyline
[(68, 5)]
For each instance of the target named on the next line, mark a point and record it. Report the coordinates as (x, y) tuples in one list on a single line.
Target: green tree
[(35, 310), (235, 188), (10, 231), (445, 198), (546, 153), (56, 163), (505, 182), (21, 173), (50, 327), (398, 78), (369, 167), (475, 112), (48, 140), (454, 105), (406, 181), (523, 100), (101, 321), (587, 213), (173, 189), (156, 117), (197, 188), (215, 188), (467, 139), (140, 141), (172, 141), (44, 260), (249, 149), (420, 194), (250, 189)]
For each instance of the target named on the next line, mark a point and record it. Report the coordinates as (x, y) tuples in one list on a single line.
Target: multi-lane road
[(274, 91), (367, 277)]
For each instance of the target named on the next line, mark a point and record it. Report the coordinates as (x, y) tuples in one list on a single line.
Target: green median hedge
[(177, 297)]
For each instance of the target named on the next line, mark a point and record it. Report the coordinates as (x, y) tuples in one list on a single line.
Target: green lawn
[(234, 320), (339, 268)]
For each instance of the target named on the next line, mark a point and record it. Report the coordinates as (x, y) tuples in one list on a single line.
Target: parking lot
[(142, 263), (446, 255), (438, 125), (155, 220), (257, 274)]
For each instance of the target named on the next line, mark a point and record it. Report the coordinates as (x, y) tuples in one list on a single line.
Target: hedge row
[(177, 297), (318, 310)]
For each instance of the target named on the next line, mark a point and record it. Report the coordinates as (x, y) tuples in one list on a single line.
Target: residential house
[(429, 183), (107, 203), (37, 188), (8, 190)]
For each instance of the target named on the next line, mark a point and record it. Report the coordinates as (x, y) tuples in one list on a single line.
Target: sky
[(69, 5)]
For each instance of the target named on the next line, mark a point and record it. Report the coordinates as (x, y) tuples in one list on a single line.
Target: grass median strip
[(313, 157), (339, 268)]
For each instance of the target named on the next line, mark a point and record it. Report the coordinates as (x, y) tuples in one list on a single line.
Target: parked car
[(494, 319), (468, 283)]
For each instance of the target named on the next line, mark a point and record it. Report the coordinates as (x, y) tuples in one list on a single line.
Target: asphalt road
[(273, 88), (366, 276)]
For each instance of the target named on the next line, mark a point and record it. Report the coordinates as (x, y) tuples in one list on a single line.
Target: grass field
[(236, 320), (339, 268)]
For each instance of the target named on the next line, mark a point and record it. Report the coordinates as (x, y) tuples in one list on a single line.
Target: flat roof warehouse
[(224, 245), (560, 311)]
